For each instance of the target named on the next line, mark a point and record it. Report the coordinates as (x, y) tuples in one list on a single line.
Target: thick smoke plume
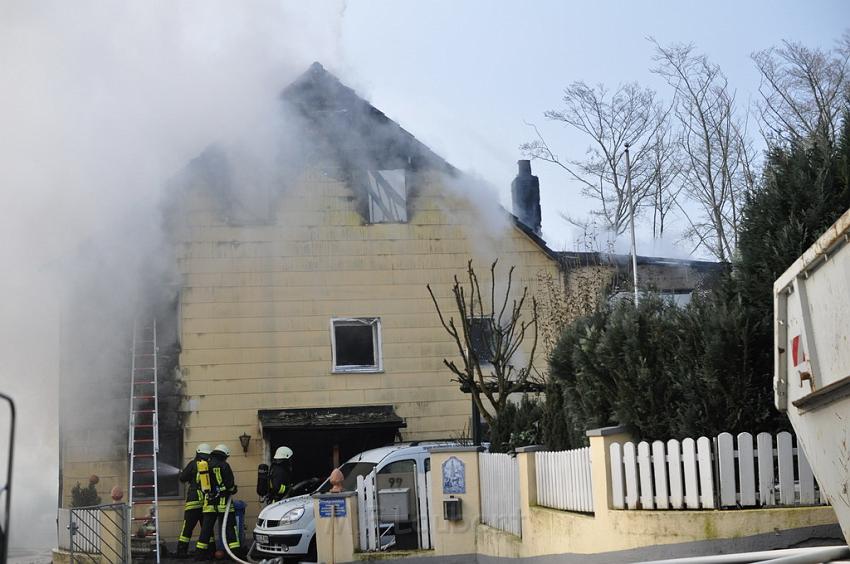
[(100, 105)]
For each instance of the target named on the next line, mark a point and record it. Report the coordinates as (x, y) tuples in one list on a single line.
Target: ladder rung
[(145, 350)]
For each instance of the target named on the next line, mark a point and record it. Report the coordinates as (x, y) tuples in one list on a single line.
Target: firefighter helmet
[(203, 448), (223, 449), (283, 453)]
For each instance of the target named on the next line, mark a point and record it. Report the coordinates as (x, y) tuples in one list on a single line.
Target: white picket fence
[(499, 483), (563, 480), (704, 474), (367, 513)]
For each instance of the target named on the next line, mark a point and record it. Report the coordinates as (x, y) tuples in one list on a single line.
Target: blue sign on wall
[(332, 506), (454, 476)]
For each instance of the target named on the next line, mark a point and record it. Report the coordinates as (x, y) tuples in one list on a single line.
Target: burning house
[(299, 315)]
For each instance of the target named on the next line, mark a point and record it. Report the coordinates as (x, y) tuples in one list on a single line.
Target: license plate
[(262, 539)]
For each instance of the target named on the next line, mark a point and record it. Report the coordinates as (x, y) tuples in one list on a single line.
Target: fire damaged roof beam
[(327, 418)]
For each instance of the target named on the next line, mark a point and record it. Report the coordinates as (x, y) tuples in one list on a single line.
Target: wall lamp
[(245, 440)]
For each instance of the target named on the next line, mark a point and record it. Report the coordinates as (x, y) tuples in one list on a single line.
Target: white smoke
[(101, 103)]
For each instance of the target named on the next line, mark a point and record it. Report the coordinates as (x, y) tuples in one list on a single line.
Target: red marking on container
[(795, 350)]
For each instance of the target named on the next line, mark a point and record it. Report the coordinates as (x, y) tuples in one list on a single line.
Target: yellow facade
[(257, 302)]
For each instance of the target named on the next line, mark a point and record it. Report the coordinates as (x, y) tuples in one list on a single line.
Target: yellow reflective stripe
[(183, 537), (282, 488), (201, 545)]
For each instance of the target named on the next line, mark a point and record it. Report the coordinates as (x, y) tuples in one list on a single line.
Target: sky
[(101, 103), (466, 77)]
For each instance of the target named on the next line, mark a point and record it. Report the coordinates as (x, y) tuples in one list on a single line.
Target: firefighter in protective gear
[(280, 474), (222, 486), (193, 508)]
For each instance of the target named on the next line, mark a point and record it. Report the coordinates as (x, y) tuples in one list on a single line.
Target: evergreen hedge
[(672, 372)]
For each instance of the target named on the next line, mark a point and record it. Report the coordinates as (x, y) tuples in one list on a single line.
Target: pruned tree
[(489, 332), (716, 166), (630, 115), (803, 91)]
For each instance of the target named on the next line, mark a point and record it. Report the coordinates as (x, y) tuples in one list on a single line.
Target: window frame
[(377, 349), (480, 322), (370, 197)]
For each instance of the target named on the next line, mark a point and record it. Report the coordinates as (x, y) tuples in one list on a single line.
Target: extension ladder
[(143, 494)]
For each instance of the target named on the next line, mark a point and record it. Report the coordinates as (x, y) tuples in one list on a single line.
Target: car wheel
[(312, 551)]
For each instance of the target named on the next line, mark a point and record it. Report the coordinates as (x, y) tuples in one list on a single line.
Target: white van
[(287, 528)]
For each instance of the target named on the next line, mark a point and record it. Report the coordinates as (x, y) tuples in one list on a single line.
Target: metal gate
[(96, 533)]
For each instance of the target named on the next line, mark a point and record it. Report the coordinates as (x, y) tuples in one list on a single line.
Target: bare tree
[(630, 115), (492, 329), (716, 169), (803, 91), (665, 166)]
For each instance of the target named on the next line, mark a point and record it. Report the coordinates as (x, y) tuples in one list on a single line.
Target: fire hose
[(276, 560)]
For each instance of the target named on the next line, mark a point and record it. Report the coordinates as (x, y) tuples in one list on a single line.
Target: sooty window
[(387, 196), (356, 344), (481, 338)]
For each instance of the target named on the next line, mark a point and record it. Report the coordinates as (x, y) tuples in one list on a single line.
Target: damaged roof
[(360, 131), (572, 258), (326, 418), (356, 128)]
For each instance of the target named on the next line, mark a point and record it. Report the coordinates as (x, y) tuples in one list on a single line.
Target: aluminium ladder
[(144, 432)]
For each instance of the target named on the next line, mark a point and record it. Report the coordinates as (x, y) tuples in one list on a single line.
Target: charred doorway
[(324, 438)]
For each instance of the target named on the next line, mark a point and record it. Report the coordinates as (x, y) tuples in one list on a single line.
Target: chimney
[(525, 192)]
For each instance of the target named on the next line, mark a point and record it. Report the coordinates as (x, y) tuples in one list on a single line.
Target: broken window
[(169, 463), (387, 196), (356, 344), (481, 338)]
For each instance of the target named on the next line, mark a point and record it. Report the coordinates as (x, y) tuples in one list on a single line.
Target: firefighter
[(217, 489), (280, 474), (194, 506)]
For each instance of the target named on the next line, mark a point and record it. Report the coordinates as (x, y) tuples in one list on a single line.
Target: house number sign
[(454, 476)]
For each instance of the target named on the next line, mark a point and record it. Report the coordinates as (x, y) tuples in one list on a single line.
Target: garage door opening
[(324, 438)]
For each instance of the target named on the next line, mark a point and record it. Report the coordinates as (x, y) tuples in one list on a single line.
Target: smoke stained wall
[(100, 105)]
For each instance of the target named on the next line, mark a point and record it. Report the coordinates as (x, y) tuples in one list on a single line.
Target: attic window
[(387, 196), (356, 344), (481, 338)]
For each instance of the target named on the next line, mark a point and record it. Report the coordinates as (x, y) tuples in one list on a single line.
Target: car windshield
[(350, 470)]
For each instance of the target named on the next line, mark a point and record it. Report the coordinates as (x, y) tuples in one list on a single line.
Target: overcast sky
[(464, 77)]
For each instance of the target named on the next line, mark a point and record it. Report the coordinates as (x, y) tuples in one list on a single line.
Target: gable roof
[(356, 128), (361, 132)]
